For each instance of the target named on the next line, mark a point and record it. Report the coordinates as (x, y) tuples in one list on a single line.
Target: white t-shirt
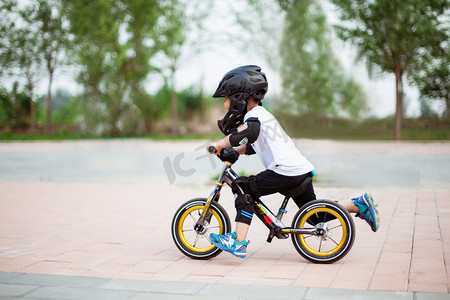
[(275, 148)]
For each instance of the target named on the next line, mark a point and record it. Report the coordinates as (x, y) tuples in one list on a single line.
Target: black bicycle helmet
[(239, 85)]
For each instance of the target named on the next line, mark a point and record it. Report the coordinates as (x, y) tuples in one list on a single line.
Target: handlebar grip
[(212, 149)]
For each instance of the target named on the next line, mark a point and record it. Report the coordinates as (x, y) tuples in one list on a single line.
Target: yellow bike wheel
[(334, 231), (195, 243)]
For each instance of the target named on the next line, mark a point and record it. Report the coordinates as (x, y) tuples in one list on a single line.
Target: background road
[(348, 164)]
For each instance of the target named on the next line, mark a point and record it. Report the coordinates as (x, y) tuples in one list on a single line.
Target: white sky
[(208, 68)]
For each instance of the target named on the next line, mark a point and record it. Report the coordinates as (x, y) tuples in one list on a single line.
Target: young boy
[(252, 129)]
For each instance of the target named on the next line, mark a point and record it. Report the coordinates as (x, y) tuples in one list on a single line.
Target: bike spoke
[(309, 235), (333, 240), (206, 227), (340, 225), (317, 216), (196, 240), (209, 227), (320, 245), (193, 218)]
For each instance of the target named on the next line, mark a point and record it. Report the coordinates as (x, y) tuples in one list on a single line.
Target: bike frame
[(272, 222)]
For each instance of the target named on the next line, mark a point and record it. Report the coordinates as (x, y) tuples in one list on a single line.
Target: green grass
[(61, 136), (192, 136), (366, 134), (297, 127), (9, 136)]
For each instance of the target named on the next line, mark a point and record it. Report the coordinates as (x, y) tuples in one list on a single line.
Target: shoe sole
[(222, 247)]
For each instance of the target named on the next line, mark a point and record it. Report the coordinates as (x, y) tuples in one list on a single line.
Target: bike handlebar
[(212, 149)]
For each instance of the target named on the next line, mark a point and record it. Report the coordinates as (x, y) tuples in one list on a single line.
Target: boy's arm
[(220, 144), (246, 133), (225, 142), (242, 149)]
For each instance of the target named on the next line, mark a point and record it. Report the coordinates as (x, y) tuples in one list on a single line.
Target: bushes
[(15, 110), (144, 115)]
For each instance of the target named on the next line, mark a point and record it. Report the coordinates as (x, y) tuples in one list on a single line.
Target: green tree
[(191, 103), (15, 108), (142, 28), (19, 50), (396, 36), (7, 112), (179, 19), (434, 81), (312, 77), (94, 26), (426, 112), (68, 112), (45, 15), (114, 43), (173, 40), (262, 23)]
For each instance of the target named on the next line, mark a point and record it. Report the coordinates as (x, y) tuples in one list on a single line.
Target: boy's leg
[(350, 206), (235, 242), (241, 231)]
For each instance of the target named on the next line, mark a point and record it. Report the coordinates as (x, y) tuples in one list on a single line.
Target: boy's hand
[(225, 142), (214, 148), (228, 154)]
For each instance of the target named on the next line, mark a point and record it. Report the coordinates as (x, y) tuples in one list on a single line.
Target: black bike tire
[(349, 239), (221, 212)]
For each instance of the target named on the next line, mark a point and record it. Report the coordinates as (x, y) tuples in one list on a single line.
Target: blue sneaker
[(367, 210), (227, 242)]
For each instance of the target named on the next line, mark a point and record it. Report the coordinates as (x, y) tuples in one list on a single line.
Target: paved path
[(348, 164), (32, 286), (104, 228)]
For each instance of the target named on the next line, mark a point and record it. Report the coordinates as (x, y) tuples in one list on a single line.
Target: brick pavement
[(122, 232)]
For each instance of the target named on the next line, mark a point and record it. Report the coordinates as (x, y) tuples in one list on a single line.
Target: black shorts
[(270, 182)]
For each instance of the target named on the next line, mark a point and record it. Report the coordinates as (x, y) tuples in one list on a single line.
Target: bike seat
[(297, 190)]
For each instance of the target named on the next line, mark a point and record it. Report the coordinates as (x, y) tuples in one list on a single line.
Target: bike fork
[(206, 214), (226, 176)]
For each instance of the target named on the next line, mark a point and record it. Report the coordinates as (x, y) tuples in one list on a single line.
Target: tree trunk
[(33, 115), (16, 115), (114, 130), (48, 103), (148, 125), (447, 108), (203, 106), (399, 103), (30, 87), (174, 100), (115, 113)]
